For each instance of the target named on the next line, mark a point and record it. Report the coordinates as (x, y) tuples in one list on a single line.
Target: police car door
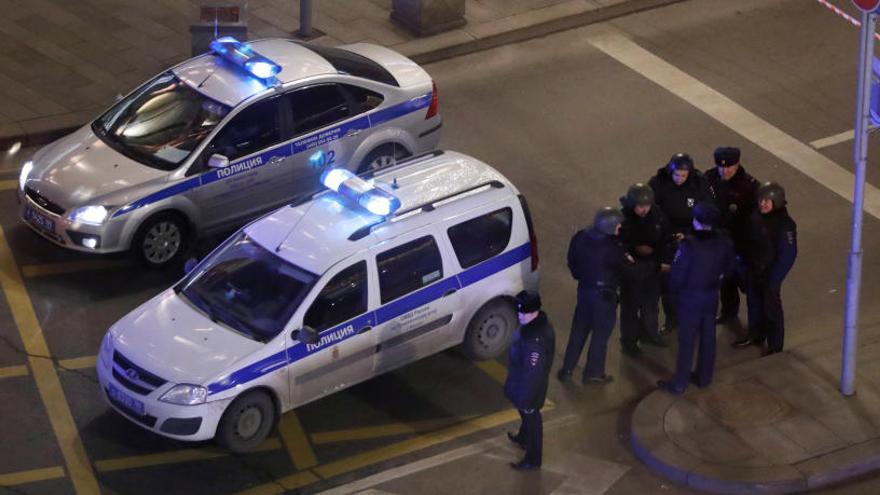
[(337, 309), (419, 299), (251, 141)]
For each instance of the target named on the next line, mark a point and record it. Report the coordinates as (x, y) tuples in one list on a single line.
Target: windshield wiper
[(233, 321)]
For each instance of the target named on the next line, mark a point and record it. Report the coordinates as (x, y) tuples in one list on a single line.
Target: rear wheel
[(161, 240), (383, 157), (246, 422), (490, 330)]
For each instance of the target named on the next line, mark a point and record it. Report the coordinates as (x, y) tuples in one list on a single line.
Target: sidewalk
[(63, 62), (771, 425)]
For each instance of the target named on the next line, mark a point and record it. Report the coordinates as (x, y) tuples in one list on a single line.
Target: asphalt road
[(573, 119)]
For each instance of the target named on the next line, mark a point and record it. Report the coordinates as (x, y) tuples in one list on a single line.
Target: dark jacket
[(677, 202), (652, 231), (772, 246), (702, 260), (595, 259), (529, 362), (736, 200)]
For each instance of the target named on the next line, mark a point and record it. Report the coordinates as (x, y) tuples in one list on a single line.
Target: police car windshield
[(161, 123), (247, 288)]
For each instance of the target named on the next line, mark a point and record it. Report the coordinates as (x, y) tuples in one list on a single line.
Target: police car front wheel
[(246, 422), (160, 240), (490, 330)]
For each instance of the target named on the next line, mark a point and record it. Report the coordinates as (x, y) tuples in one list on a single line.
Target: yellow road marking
[(31, 476), (178, 456), (494, 369), (6, 185), (12, 371), (284, 484), (79, 363), (43, 369), (67, 267), (294, 438), (369, 432)]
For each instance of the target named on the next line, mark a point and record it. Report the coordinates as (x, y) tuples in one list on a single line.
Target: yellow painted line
[(43, 369), (68, 267), (494, 369), (175, 457), (370, 432), (282, 485), (6, 185), (294, 438), (31, 476), (79, 363), (13, 371)]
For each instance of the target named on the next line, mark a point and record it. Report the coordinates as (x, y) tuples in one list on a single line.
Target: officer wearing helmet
[(735, 196), (678, 186), (595, 258), (771, 253), (701, 261), (644, 235)]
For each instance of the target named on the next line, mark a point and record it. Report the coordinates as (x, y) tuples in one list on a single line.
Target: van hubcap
[(162, 242), (493, 331), (381, 162), (249, 422)]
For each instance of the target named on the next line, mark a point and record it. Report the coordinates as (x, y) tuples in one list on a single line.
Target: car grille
[(133, 377), (43, 202)]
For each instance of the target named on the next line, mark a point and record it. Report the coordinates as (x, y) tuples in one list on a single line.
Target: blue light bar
[(368, 196), (242, 55)]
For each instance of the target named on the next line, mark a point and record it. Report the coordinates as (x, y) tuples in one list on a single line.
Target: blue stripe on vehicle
[(282, 151), (381, 315)]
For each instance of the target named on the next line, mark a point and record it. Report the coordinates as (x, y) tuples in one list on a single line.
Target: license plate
[(126, 401), (38, 219)]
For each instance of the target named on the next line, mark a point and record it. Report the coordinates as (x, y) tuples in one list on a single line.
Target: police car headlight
[(106, 349), (25, 171), (185, 395), (92, 215)]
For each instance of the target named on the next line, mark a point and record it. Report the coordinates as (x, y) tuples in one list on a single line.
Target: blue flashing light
[(242, 55), (379, 202), (334, 177), (365, 194)]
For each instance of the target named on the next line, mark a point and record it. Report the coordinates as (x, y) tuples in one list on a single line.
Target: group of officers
[(687, 240)]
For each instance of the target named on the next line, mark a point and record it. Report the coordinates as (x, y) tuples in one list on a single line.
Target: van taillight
[(533, 240), (432, 110)]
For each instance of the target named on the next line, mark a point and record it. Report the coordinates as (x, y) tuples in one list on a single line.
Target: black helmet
[(607, 219), (774, 192), (707, 214), (680, 161), (638, 194)]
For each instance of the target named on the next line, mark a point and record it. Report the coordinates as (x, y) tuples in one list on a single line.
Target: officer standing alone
[(529, 363), (595, 257), (701, 262)]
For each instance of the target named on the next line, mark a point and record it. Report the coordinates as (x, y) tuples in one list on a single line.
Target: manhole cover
[(746, 403)]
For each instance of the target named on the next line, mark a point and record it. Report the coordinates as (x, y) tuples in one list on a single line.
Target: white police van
[(223, 137), (320, 295)]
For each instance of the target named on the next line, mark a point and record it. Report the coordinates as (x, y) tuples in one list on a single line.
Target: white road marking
[(726, 111), (835, 139)]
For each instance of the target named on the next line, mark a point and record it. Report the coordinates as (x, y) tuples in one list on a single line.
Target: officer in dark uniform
[(678, 186), (644, 234), (700, 263), (771, 253), (735, 195), (529, 364), (595, 257)]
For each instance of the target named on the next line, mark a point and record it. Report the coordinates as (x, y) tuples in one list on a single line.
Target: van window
[(343, 298), (409, 267), (317, 106), (478, 239)]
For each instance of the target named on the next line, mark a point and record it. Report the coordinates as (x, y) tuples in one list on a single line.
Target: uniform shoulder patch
[(534, 358)]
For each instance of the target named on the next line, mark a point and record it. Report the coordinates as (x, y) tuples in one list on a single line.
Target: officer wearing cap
[(529, 363), (678, 186), (771, 253), (595, 258), (700, 263), (644, 234), (736, 198)]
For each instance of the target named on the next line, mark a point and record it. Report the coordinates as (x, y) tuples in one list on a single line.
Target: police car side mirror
[(218, 161), (306, 335)]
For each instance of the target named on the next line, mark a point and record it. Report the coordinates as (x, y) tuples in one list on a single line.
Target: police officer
[(735, 195), (771, 253), (700, 263), (644, 234), (529, 364), (595, 257), (678, 186)]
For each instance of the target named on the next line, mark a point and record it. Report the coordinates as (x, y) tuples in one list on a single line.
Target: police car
[(320, 295), (223, 137)]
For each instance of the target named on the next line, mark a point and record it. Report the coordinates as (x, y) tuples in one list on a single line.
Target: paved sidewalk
[(63, 62), (772, 425)]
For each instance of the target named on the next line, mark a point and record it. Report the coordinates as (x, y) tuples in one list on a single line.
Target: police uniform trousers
[(696, 329), (668, 298), (596, 313), (531, 435), (639, 310), (730, 289), (766, 318)]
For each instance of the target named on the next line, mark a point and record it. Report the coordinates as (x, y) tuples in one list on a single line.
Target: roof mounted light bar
[(243, 56)]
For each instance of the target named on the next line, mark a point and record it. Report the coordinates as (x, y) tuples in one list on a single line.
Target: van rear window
[(480, 238), (346, 62)]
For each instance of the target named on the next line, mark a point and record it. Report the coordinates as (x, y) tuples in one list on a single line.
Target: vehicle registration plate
[(126, 401), (38, 219)]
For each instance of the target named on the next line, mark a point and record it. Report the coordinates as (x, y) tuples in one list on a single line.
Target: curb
[(446, 47)]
